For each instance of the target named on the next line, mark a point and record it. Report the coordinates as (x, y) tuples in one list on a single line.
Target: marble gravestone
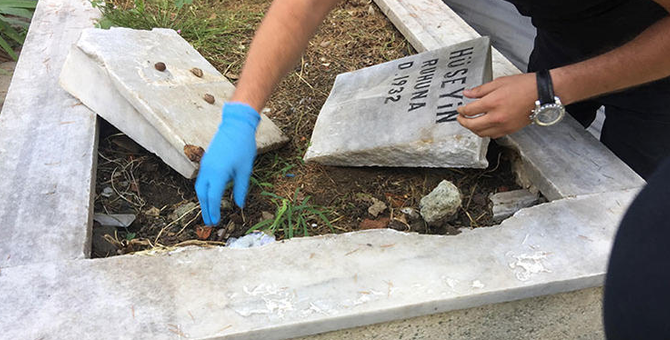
[(157, 89), (403, 113)]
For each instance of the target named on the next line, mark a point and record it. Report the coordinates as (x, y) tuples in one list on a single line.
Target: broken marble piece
[(114, 73), (505, 204), (441, 204), (403, 112), (114, 220)]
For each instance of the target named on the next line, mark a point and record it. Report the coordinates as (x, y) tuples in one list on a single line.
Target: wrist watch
[(548, 108)]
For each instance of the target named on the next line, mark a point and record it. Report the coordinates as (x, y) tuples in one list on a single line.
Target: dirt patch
[(355, 35)]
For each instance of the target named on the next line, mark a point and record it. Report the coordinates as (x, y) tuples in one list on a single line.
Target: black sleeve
[(637, 286)]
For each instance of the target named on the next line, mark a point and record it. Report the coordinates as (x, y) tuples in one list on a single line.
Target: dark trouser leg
[(637, 295)]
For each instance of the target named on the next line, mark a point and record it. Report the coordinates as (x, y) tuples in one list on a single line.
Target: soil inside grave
[(355, 35)]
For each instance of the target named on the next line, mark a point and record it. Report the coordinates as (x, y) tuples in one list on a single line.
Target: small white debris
[(107, 192), (477, 284)]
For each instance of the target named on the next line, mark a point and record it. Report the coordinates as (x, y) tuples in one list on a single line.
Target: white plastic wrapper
[(255, 239)]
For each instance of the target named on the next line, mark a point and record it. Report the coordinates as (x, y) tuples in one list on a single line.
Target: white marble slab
[(48, 146), (114, 73), (340, 281), (402, 113)]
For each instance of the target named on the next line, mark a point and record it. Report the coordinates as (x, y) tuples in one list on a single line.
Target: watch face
[(549, 114)]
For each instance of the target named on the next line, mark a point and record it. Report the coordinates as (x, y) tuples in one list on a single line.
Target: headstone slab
[(115, 73), (403, 112)]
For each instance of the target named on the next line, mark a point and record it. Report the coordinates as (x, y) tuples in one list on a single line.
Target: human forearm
[(642, 60), (281, 38)]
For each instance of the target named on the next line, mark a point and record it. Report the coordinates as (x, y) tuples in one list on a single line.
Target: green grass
[(216, 33), (292, 216), (13, 26)]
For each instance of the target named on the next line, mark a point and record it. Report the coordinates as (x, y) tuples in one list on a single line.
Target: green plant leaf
[(16, 22), (19, 12), (30, 4), (259, 226), (10, 32), (5, 46), (180, 3)]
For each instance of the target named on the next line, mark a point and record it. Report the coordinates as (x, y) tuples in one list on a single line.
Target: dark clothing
[(637, 295), (637, 127)]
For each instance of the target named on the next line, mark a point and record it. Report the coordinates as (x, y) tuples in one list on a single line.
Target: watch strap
[(545, 88)]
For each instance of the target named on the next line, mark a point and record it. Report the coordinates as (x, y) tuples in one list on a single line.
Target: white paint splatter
[(277, 300), (451, 282), (477, 284), (526, 266)]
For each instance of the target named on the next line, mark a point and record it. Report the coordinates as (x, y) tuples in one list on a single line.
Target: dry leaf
[(153, 211), (374, 224), (193, 153), (203, 232)]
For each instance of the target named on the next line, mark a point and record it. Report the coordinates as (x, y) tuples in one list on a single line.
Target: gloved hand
[(230, 156)]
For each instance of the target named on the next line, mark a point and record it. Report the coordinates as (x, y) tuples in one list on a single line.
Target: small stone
[(441, 204), (197, 72), (374, 224), (377, 207), (411, 214), (153, 211), (226, 205), (267, 216), (193, 153), (107, 192), (398, 225), (160, 66), (371, 10), (209, 98)]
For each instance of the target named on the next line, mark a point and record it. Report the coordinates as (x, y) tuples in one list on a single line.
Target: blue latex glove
[(230, 156)]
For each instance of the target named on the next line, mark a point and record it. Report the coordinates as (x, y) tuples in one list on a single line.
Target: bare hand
[(507, 102)]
